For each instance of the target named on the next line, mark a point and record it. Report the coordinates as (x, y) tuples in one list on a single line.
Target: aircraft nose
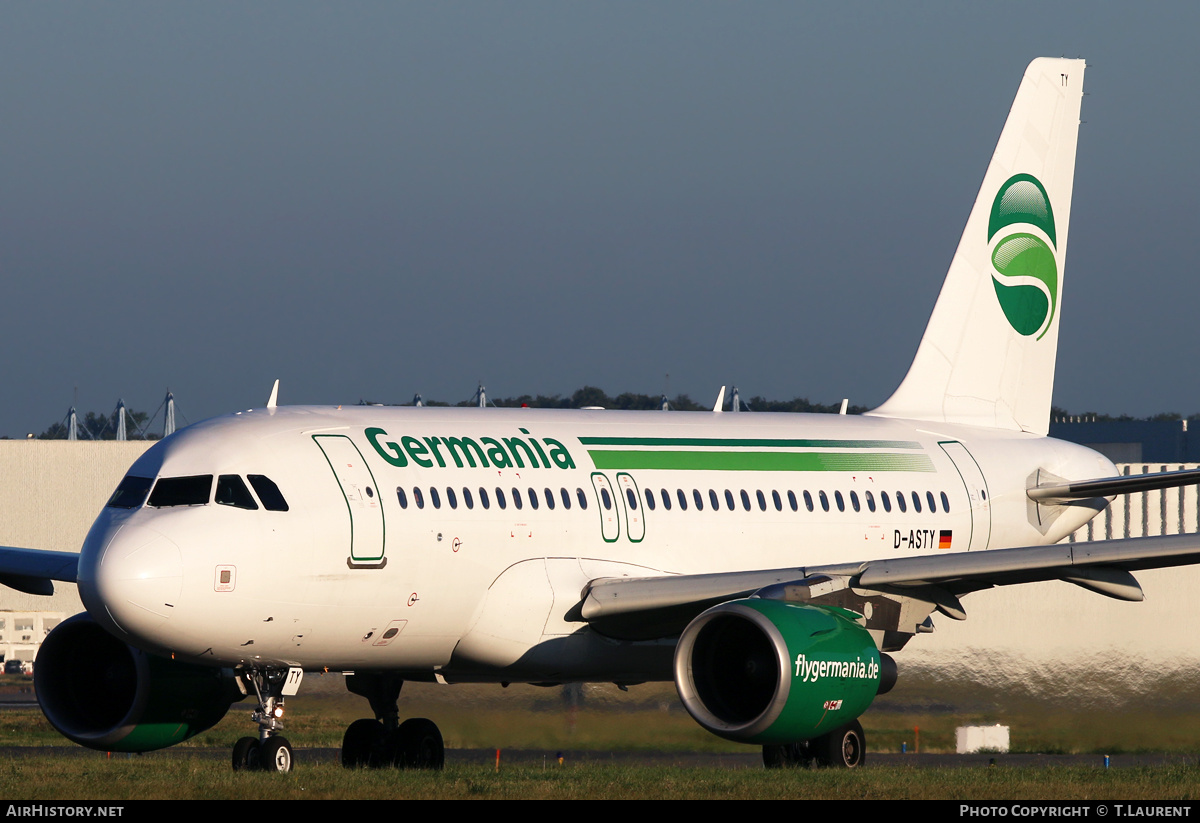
[(132, 579)]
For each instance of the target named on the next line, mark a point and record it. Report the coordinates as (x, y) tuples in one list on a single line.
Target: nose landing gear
[(270, 751)]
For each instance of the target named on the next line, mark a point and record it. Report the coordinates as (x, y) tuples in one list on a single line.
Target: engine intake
[(105, 695), (769, 672)]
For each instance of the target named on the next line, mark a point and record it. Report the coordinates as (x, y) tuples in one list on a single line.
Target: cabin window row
[(547, 497), (826, 501), (532, 497)]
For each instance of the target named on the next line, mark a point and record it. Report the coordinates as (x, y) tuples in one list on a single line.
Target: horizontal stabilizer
[(1109, 486)]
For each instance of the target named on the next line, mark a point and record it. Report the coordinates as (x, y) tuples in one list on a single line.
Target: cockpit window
[(182, 491), (131, 492), (268, 493), (232, 491)]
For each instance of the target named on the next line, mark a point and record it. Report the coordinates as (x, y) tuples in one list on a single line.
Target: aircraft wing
[(33, 570), (662, 606)]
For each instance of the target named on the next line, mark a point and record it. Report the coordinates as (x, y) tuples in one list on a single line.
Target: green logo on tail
[(1025, 271)]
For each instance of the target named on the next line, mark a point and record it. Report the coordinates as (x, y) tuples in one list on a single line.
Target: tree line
[(100, 426), (631, 401)]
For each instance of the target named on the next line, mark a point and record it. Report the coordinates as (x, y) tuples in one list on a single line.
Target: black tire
[(420, 745), (844, 748), (275, 755), (787, 756), (245, 755), (364, 744)]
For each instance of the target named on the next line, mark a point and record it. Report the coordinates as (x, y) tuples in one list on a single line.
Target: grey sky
[(374, 199)]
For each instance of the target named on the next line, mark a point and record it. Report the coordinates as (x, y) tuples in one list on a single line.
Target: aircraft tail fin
[(987, 356)]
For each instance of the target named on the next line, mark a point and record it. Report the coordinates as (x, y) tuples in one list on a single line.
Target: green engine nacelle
[(103, 694), (769, 672)]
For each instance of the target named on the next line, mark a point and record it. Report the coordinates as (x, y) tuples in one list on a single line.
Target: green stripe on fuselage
[(751, 442), (748, 461)]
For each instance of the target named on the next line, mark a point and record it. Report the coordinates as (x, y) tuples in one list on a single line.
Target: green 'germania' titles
[(483, 452)]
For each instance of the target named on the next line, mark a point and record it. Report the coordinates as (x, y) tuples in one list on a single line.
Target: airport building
[(21, 633), (50, 492), (1132, 441)]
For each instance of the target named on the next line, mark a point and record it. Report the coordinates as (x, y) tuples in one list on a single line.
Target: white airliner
[(767, 563)]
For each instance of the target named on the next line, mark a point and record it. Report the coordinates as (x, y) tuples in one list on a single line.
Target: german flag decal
[(944, 538)]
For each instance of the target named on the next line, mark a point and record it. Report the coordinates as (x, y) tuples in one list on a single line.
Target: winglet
[(720, 400), (274, 395)]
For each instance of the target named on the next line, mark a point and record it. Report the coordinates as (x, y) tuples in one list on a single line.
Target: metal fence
[(1145, 514)]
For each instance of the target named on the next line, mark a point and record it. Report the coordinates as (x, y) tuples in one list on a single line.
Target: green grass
[(650, 717), (182, 778), (603, 719)]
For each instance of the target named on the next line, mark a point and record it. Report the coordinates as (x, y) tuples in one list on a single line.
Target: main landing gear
[(385, 741), (843, 748), (270, 751)]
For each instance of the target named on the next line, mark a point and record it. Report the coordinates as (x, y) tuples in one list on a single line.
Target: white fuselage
[(395, 552)]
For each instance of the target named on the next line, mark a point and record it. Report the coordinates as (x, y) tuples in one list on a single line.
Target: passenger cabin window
[(182, 491), (232, 491), (268, 493), (402, 497), (131, 492)]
